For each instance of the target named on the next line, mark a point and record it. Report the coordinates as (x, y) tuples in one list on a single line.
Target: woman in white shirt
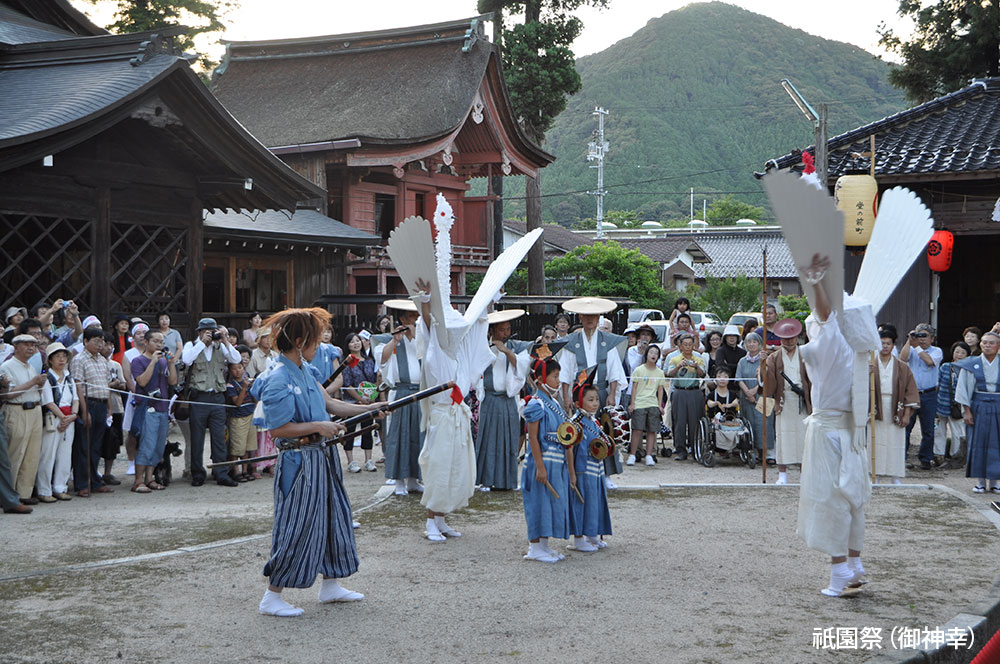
[(61, 405)]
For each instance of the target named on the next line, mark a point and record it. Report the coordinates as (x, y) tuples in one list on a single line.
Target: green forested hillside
[(695, 91)]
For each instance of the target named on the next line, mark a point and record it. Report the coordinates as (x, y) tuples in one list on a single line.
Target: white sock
[(400, 489), (444, 528), (854, 564), (537, 552), (782, 477), (599, 543), (412, 485), (131, 468), (840, 576), (544, 543), (433, 532), (331, 591), (583, 545), (273, 605)]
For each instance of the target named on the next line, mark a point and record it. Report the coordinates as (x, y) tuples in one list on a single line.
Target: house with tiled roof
[(947, 151)]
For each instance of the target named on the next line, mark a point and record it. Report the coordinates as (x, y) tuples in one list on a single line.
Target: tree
[(609, 270), (724, 297), (952, 42), (540, 71), (727, 210), (200, 16)]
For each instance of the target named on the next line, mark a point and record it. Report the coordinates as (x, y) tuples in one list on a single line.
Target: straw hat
[(787, 328), (400, 305), (589, 305), (24, 339), (55, 347), (495, 317)]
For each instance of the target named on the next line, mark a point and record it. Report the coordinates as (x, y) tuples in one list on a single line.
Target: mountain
[(698, 90)]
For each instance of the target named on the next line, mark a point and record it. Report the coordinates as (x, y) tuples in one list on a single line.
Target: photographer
[(687, 399), (923, 359), (208, 357), (155, 371)]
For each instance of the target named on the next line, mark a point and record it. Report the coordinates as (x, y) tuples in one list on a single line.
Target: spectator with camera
[(63, 403), (92, 374), (360, 369), (155, 372), (132, 419), (208, 357), (924, 359), (111, 446), (23, 415)]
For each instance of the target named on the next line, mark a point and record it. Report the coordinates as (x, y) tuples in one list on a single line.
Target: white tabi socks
[(599, 543), (413, 485), (331, 591), (273, 605), (840, 577), (432, 532), (857, 570), (444, 528), (541, 552), (583, 545), (782, 478)]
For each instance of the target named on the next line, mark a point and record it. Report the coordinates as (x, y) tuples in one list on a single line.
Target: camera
[(66, 304), (216, 336)]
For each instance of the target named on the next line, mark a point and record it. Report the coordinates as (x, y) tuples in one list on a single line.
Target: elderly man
[(499, 422), (92, 373), (687, 401), (588, 347), (9, 499), (787, 382), (923, 359), (23, 415), (208, 357), (977, 392)]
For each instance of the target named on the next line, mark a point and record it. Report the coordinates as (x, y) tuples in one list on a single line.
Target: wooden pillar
[(101, 259), (195, 264)]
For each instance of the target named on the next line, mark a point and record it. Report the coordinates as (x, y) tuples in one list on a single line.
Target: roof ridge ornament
[(153, 46), (472, 35)]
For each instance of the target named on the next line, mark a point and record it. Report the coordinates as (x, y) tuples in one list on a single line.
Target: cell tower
[(595, 152)]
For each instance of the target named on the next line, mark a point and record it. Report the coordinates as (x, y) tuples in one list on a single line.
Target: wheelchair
[(730, 437)]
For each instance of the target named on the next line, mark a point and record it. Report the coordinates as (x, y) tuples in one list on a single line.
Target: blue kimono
[(983, 460), (323, 361), (591, 517), (313, 531), (546, 515)]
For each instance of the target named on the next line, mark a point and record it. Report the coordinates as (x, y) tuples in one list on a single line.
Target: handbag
[(181, 408)]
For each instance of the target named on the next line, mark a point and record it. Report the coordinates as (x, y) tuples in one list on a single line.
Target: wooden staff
[(578, 494), (871, 406), (763, 373), (326, 443), (551, 489)]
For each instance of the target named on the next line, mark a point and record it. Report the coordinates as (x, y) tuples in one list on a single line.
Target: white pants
[(55, 461), (941, 433)]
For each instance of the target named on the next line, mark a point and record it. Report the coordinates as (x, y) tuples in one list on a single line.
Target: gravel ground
[(693, 574)]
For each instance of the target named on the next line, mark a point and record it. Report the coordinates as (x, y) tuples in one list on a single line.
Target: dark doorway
[(970, 288)]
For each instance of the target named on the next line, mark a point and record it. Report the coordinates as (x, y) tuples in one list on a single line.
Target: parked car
[(705, 322), (740, 318), (636, 316)]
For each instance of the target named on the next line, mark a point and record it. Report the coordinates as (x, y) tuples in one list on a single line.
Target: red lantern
[(939, 251)]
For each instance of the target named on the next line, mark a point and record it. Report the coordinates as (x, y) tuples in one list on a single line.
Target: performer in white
[(835, 484), (454, 348), (896, 398), (788, 383)]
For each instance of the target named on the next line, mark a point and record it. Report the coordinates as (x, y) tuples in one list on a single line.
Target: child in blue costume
[(590, 519), (313, 531), (548, 461)]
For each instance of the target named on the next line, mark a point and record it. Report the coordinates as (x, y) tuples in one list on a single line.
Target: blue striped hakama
[(496, 445), (984, 436), (312, 531), (546, 515), (591, 517), (403, 440)]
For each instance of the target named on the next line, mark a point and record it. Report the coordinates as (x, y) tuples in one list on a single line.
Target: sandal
[(140, 488), (248, 477), (241, 478), (156, 486)]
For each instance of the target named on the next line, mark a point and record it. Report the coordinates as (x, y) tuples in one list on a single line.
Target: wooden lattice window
[(148, 268), (43, 259)]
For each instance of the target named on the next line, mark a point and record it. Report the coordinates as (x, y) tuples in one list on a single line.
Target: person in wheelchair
[(723, 410)]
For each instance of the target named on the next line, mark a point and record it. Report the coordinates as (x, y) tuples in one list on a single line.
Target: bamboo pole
[(871, 410), (763, 374)]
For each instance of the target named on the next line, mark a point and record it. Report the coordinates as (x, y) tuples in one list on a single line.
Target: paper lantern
[(857, 197), (939, 250)]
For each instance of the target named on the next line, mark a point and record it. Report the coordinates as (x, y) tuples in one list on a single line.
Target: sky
[(852, 21)]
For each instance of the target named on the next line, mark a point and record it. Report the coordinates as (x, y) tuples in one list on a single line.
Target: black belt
[(929, 389), (695, 387)]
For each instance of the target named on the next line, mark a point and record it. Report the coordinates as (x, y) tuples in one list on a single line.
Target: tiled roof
[(662, 250), (553, 235), (740, 253), (958, 132), (306, 225), (25, 21)]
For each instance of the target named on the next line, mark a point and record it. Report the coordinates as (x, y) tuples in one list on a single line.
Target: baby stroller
[(726, 435)]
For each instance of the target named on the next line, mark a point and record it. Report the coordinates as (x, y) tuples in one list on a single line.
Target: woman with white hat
[(61, 403)]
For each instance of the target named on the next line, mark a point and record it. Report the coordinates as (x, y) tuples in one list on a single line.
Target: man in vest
[(396, 355), (589, 347), (788, 384), (208, 356)]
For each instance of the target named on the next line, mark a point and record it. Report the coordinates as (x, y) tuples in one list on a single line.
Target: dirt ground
[(696, 573)]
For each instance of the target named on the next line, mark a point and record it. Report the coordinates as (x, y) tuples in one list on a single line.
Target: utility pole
[(818, 121), (595, 152), (692, 204)]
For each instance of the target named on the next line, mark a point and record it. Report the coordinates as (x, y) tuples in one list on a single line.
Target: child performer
[(548, 469), (590, 519)]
